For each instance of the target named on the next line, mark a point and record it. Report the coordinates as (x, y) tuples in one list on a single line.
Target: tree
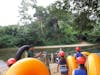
[(90, 6), (83, 23), (26, 11), (86, 14)]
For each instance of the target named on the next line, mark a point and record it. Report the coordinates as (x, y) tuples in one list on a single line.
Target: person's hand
[(40, 52)]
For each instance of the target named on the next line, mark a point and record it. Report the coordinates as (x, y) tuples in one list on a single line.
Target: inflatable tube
[(71, 62), (21, 50), (28, 66), (93, 64), (85, 53)]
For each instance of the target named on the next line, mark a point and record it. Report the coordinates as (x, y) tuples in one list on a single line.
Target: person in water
[(81, 68), (62, 63)]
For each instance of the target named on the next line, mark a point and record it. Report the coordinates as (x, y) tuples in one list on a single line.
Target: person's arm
[(75, 55), (58, 64), (38, 55), (67, 65), (58, 68), (73, 72)]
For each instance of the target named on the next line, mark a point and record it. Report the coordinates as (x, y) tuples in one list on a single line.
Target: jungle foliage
[(63, 22)]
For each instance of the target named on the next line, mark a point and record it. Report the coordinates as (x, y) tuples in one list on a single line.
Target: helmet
[(61, 53), (77, 48), (11, 61), (81, 60)]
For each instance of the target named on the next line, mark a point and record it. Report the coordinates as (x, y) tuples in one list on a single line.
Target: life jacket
[(30, 53), (63, 66), (79, 71), (62, 61), (78, 54)]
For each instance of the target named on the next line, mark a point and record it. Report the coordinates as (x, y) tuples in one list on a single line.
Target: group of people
[(61, 60), (80, 59)]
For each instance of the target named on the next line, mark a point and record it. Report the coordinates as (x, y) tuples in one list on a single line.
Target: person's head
[(61, 53), (81, 60), (11, 61), (77, 49), (31, 48)]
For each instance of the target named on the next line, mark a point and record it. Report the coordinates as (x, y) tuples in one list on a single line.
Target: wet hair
[(10, 65), (82, 66)]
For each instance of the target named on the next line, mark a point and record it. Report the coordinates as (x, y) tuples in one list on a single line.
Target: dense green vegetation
[(59, 23)]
